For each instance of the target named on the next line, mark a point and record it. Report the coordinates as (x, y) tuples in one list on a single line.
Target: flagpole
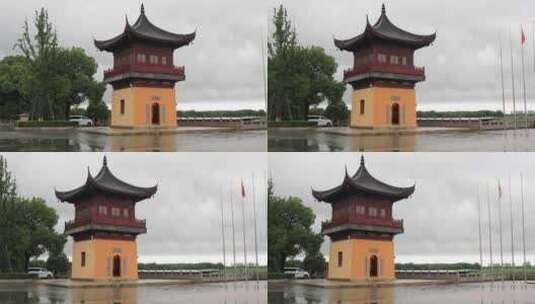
[(243, 229), (523, 227), (502, 78), (490, 233), (533, 42), (513, 78), (512, 230), (500, 223), (524, 81), (479, 226), (223, 237), (255, 227), (233, 232)]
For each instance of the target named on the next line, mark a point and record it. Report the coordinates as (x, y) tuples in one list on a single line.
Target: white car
[(40, 273), (320, 120), (81, 120), (297, 272)]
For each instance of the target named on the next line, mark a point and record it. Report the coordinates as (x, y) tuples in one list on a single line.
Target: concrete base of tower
[(104, 259), (380, 107), (361, 259)]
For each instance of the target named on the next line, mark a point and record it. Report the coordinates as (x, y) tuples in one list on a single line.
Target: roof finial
[(105, 162), (126, 19), (362, 160), (142, 9), (383, 9)]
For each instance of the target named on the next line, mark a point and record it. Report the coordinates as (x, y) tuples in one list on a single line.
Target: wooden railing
[(145, 68), (363, 220), (385, 68), (116, 221)]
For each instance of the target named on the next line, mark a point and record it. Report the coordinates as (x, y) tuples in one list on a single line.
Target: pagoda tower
[(362, 228), (383, 76), (105, 227), (143, 76)]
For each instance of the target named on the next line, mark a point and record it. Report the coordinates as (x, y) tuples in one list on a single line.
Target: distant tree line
[(300, 76), (27, 229), (438, 114), (222, 113), (46, 80), (179, 266), (437, 266)]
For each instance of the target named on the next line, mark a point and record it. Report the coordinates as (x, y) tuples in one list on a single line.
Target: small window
[(340, 258), (164, 60), (125, 212), (115, 211), (82, 261), (141, 58), (103, 210), (122, 106), (394, 60), (372, 211), (381, 58), (404, 60), (382, 213), (153, 59), (362, 105)]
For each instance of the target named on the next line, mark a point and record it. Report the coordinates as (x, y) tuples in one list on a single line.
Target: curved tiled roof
[(144, 30), (105, 181), (363, 181), (384, 29)]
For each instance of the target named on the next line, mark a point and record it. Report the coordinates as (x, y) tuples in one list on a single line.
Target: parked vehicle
[(81, 120), (320, 120), (40, 272), (297, 272)]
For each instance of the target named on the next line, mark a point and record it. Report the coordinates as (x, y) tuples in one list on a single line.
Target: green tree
[(26, 226), (289, 230), (298, 76), (337, 112), (98, 112), (13, 73)]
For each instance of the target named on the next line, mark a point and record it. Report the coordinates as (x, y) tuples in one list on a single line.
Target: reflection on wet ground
[(483, 293), (238, 292), (288, 140), (70, 140)]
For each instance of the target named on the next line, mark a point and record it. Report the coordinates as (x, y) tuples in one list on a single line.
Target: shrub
[(280, 276), (291, 124), (16, 276), (46, 124)]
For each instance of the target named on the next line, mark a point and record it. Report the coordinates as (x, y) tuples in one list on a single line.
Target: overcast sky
[(223, 65), (462, 66), (183, 217), (441, 217)]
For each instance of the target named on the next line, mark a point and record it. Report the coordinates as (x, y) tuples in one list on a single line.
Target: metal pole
[(500, 223), (233, 234), (223, 237), (523, 227), (513, 78), (501, 76), (490, 232), (255, 233), (479, 226), (524, 86), (512, 230), (243, 229)]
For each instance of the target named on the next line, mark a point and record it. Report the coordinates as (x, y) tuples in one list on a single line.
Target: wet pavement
[(73, 141), (235, 292), (310, 140), (482, 293)]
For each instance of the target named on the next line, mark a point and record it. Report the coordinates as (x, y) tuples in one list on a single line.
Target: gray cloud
[(441, 218), (183, 218), (223, 64), (462, 65)]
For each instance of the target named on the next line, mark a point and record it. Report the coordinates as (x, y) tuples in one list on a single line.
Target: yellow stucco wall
[(356, 259), (378, 107), (138, 107), (99, 259)]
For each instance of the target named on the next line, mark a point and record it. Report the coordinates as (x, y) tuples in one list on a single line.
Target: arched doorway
[(116, 266), (373, 266), (395, 114), (155, 114)]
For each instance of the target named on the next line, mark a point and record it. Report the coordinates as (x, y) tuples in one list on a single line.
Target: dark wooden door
[(373, 266), (116, 266), (395, 114), (155, 114)]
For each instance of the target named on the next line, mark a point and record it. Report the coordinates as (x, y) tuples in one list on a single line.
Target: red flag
[(242, 189), (523, 36)]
